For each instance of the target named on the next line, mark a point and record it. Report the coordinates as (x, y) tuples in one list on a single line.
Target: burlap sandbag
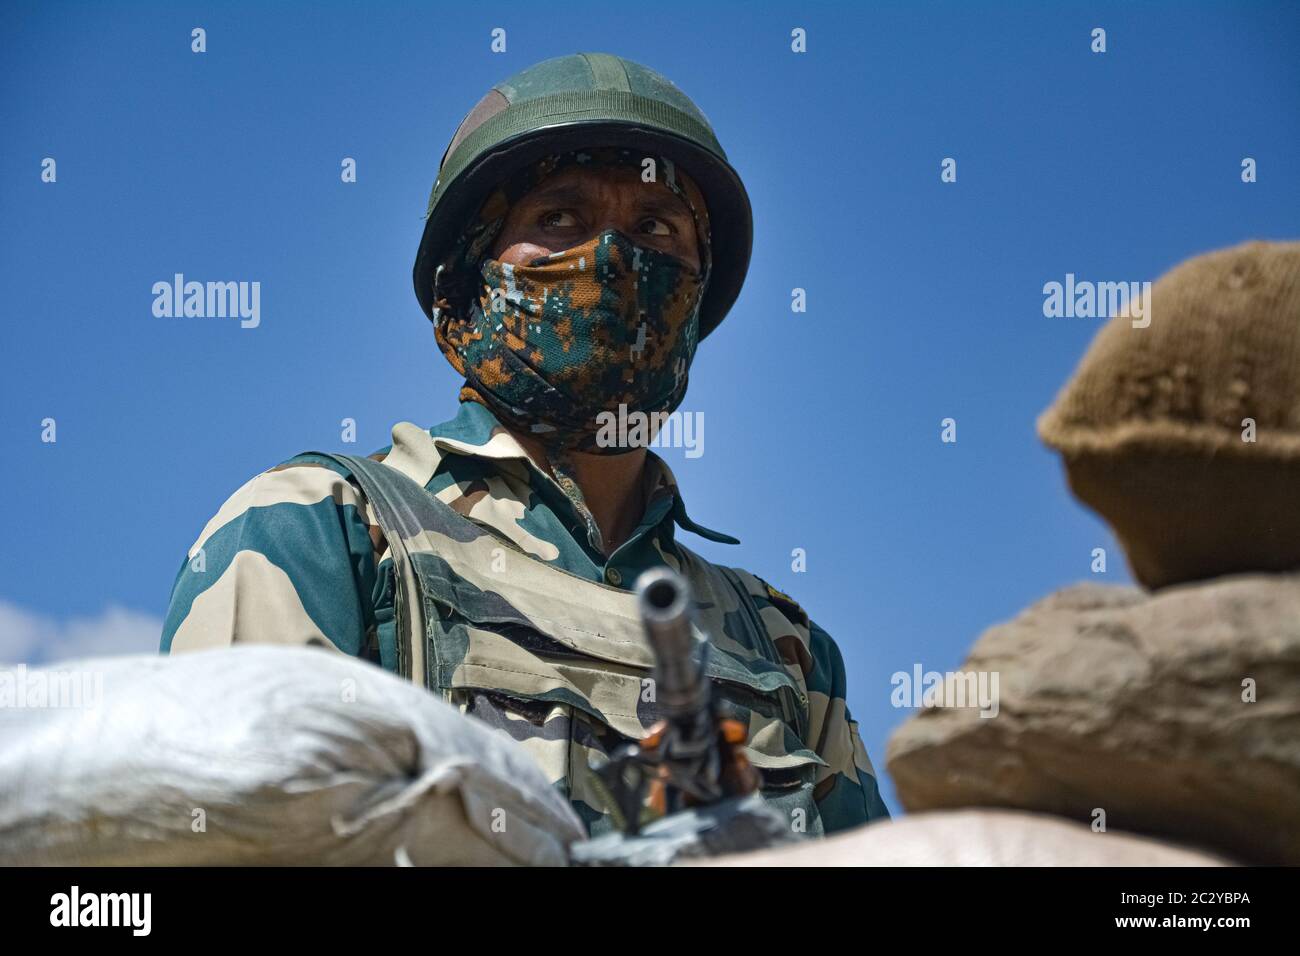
[(1151, 424), (1174, 713), (260, 755)]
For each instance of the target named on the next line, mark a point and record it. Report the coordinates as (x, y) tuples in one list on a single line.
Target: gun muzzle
[(681, 685)]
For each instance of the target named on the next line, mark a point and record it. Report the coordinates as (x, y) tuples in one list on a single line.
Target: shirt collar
[(661, 485), (476, 433)]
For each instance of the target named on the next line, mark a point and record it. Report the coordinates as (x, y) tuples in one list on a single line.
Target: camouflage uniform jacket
[(527, 625)]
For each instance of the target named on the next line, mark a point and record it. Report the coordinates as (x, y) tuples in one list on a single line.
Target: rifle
[(689, 774)]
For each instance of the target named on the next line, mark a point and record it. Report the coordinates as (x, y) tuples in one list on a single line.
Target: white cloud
[(28, 637)]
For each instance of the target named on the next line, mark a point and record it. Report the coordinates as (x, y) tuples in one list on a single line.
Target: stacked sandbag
[(260, 755), (975, 838), (1155, 425), (1175, 714)]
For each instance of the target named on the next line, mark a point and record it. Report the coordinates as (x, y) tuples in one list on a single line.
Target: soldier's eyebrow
[(662, 204), (565, 194), (651, 202)]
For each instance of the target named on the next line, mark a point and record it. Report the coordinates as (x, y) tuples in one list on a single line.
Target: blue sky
[(924, 298)]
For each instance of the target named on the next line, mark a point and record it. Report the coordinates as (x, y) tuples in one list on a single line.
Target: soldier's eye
[(559, 219), (655, 227)]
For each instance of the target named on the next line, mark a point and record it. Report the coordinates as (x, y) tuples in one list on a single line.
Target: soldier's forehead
[(584, 183)]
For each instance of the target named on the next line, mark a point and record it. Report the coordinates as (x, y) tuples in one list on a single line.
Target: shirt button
[(613, 577)]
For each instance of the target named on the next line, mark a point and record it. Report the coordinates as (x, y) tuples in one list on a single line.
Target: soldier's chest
[(560, 665)]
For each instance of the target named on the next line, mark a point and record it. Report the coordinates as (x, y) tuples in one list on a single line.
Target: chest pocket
[(561, 662)]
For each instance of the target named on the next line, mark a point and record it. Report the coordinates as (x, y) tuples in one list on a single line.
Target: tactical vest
[(561, 663)]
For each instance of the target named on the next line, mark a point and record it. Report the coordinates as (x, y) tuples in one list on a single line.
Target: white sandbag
[(260, 755), (978, 838)]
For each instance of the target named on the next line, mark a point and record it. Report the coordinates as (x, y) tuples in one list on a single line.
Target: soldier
[(584, 234)]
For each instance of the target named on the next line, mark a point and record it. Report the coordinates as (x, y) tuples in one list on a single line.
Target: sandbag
[(260, 754), (1152, 427), (1174, 713), (976, 838)]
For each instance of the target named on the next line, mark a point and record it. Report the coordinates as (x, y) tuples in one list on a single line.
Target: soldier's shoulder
[(767, 595), (310, 473), (764, 594), (301, 466), (303, 480)]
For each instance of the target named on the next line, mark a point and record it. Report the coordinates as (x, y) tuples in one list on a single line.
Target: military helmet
[(587, 100)]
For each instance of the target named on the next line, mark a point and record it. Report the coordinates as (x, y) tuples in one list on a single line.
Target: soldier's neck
[(611, 485)]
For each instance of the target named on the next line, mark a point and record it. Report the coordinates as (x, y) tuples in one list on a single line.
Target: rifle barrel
[(682, 687)]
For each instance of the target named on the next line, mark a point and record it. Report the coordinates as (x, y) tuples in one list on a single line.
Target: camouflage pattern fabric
[(526, 626)]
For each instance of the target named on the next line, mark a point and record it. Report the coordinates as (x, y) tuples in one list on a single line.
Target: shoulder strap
[(403, 510), (794, 714)]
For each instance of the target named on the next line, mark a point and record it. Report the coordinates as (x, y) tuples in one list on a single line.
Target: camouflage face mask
[(582, 331), (550, 344)]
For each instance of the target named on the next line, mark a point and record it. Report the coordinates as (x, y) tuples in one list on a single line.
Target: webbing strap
[(403, 509)]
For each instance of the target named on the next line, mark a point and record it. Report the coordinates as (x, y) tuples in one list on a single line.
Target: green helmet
[(587, 100)]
